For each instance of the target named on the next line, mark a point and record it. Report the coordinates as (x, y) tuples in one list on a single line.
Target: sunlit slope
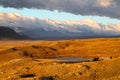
[(65, 48)]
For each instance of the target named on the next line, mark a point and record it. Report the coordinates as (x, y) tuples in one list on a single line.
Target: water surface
[(72, 59)]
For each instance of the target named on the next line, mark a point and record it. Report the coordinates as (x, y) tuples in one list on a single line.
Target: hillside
[(34, 60), (88, 48), (8, 33)]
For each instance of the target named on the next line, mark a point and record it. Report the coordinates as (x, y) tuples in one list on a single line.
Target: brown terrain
[(33, 60)]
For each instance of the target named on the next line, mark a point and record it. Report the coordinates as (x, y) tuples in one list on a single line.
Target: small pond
[(72, 59)]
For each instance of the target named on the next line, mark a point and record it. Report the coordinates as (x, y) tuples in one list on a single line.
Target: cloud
[(109, 8), (105, 3), (21, 23)]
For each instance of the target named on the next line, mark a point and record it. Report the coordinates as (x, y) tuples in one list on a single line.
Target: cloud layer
[(21, 23), (109, 8)]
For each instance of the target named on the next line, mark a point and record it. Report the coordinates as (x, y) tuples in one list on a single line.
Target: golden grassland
[(21, 58), (65, 48)]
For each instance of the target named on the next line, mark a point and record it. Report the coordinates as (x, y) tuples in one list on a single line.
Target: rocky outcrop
[(101, 58)]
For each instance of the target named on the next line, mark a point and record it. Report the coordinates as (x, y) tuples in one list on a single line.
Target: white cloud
[(31, 23)]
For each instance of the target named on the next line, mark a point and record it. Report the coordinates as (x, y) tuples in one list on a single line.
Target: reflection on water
[(72, 59)]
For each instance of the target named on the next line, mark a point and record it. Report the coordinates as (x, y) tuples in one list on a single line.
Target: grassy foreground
[(31, 60)]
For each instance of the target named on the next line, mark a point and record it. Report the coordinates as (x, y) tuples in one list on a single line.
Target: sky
[(102, 11), (101, 17), (56, 15), (108, 8)]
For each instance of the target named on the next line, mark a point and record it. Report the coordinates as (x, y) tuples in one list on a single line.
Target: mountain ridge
[(8, 33)]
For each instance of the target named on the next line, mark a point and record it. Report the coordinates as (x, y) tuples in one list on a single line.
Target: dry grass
[(71, 48), (101, 70), (25, 58)]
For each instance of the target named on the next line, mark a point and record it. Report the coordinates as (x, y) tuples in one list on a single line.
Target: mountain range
[(37, 28)]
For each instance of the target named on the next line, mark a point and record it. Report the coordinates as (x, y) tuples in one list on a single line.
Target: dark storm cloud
[(109, 8)]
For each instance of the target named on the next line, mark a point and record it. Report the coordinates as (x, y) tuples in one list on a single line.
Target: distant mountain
[(52, 34), (37, 28), (8, 33), (41, 33)]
